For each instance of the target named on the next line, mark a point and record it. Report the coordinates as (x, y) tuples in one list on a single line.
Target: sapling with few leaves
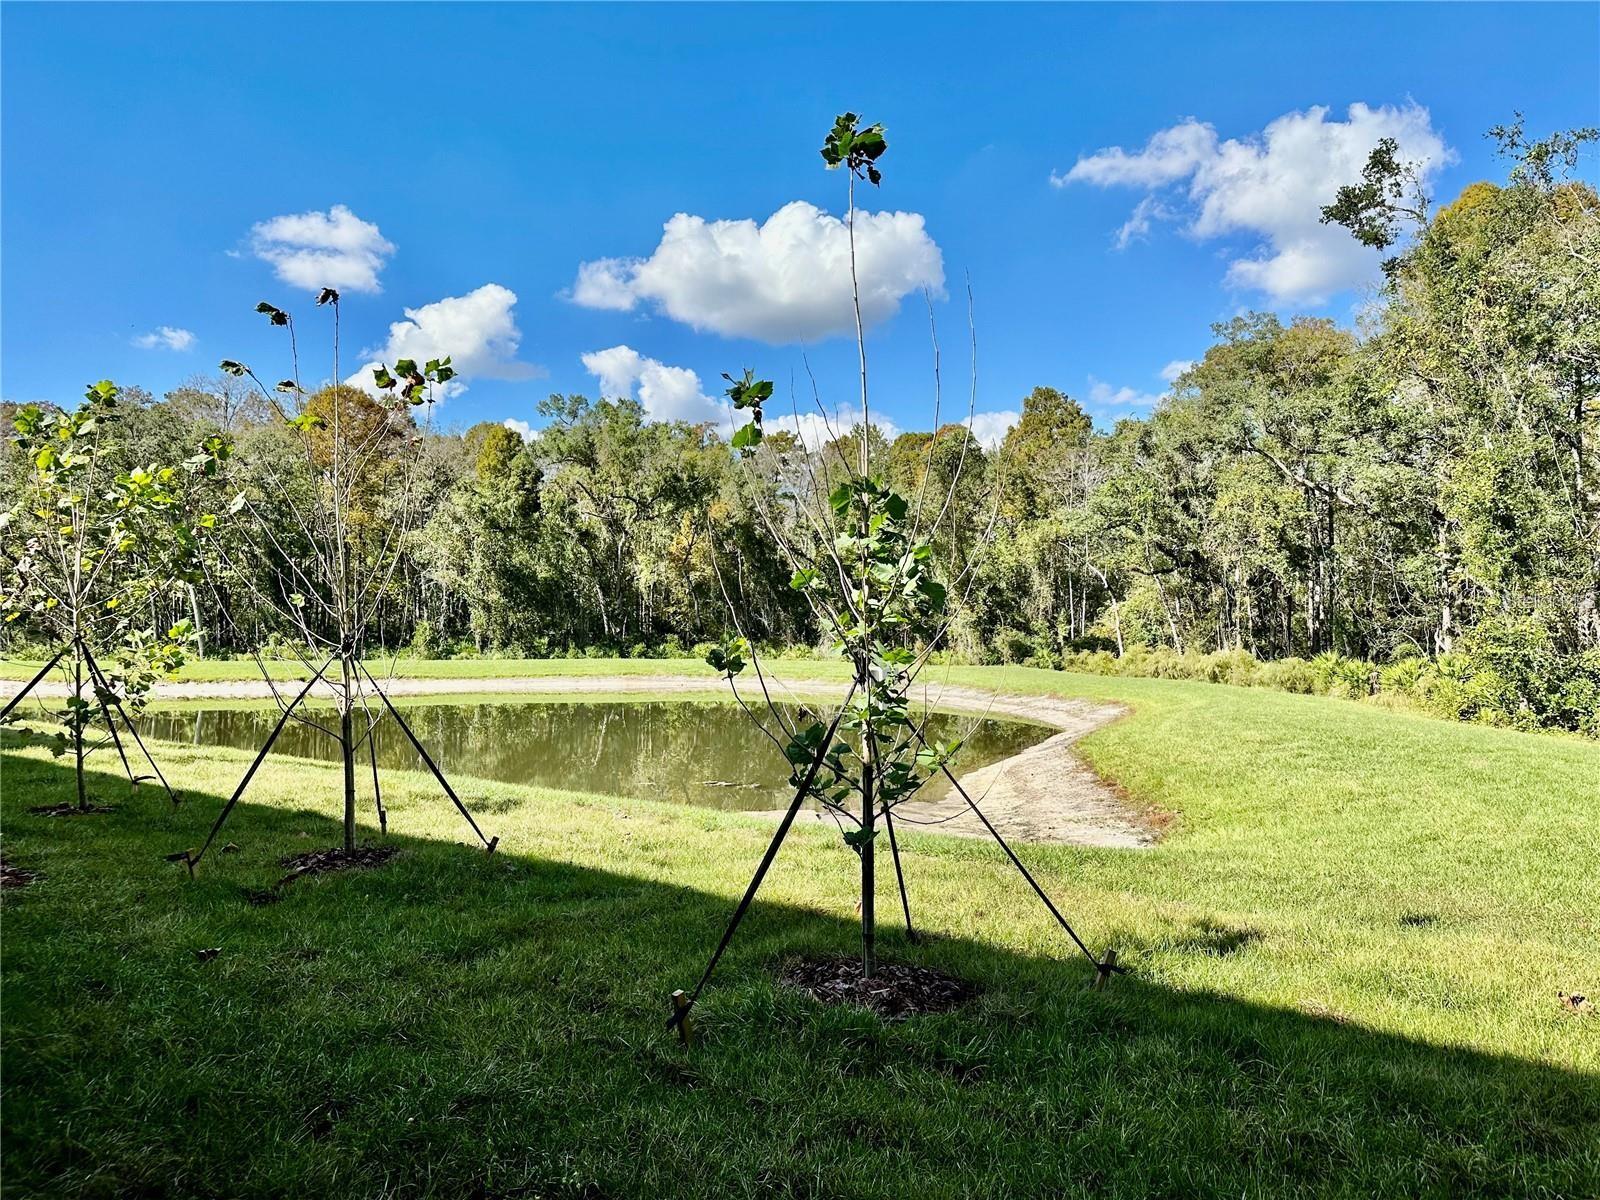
[(321, 529), (86, 545), (862, 557)]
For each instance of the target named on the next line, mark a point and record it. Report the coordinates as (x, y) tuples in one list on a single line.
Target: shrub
[(1287, 675), (1576, 703), (1012, 646), (425, 642), (1091, 662), (1336, 675), (1406, 676), (1238, 667), (1093, 642)]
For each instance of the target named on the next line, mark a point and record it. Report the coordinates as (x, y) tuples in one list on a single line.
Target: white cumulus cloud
[(1175, 368), (521, 428), (314, 250), (815, 431), (990, 428), (667, 393), (785, 280), (478, 331), (1269, 187), (165, 337), (1103, 396)]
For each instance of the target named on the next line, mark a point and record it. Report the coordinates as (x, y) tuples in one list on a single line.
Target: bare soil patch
[(896, 990), (15, 877), (320, 862)]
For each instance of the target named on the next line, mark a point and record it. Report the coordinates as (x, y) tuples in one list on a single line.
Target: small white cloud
[(521, 428), (667, 393), (990, 428), (165, 337), (314, 250), (1269, 187), (1170, 155), (1175, 368), (1144, 215), (1103, 396), (815, 431), (478, 331), (786, 280)]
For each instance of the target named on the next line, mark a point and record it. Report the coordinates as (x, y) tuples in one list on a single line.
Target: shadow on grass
[(456, 1025)]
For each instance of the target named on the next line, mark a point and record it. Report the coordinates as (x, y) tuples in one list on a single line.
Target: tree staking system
[(863, 558), (329, 514), (86, 546)]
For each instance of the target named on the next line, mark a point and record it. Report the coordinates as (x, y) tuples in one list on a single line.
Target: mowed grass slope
[(1346, 956), (227, 670)]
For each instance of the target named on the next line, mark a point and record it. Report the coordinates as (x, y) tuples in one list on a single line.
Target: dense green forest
[(1408, 506)]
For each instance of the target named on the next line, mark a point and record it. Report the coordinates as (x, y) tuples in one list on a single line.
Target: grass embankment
[(226, 670), (1346, 957)]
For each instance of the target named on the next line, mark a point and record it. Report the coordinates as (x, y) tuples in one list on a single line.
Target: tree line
[(1410, 504)]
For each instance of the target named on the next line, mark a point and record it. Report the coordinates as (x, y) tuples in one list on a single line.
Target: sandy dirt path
[(1043, 794)]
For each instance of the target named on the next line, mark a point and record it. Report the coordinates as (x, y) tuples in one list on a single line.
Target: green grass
[(214, 670), (1346, 956)]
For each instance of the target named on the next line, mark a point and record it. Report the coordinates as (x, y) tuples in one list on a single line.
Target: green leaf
[(748, 392), (850, 146), (747, 437), (857, 838)]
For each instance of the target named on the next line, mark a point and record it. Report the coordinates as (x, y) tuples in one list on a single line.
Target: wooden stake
[(1104, 971), (680, 1005)]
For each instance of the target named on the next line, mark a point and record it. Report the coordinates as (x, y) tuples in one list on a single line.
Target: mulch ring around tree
[(69, 810), (320, 862), (896, 990), (15, 877)]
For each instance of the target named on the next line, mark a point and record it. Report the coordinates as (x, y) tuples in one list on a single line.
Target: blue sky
[(446, 158)]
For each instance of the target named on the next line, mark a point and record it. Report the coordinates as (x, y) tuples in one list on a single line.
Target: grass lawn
[(212, 670), (1345, 961)]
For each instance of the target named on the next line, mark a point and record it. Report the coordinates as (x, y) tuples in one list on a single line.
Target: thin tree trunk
[(78, 723), (869, 913), (199, 626), (347, 751)]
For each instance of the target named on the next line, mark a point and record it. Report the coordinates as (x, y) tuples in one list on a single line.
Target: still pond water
[(690, 751)]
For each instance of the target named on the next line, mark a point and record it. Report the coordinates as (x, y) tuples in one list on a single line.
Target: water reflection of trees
[(693, 752)]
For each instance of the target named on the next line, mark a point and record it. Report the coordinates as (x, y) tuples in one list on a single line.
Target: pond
[(703, 752)]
